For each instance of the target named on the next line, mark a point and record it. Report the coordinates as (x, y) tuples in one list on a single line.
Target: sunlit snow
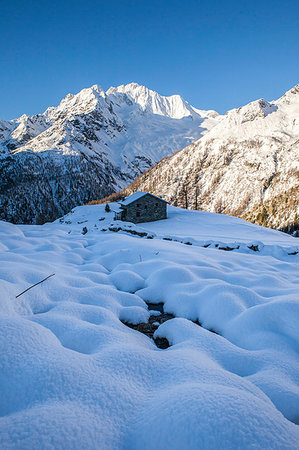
[(74, 375)]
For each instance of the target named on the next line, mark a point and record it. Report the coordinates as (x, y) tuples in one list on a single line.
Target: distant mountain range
[(247, 165), (90, 145), (244, 163)]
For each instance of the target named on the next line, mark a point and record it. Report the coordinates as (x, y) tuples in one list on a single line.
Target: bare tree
[(196, 196), (185, 194)]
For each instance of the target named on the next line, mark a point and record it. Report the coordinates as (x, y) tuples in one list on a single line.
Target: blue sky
[(216, 54)]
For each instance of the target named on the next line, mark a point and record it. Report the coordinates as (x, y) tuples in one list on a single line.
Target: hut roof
[(137, 195)]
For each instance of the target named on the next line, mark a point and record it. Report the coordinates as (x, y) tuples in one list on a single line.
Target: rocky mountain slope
[(247, 166), (90, 145)]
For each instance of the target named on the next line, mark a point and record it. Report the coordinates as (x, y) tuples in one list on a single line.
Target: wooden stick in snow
[(52, 274)]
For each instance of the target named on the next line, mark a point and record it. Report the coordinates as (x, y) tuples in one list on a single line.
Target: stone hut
[(142, 207)]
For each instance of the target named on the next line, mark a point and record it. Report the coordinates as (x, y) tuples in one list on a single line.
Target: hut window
[(137, 214), (156, 204)]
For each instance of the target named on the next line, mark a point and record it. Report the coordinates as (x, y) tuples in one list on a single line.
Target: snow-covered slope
[(247, 165), (73, 372), (91, 144)]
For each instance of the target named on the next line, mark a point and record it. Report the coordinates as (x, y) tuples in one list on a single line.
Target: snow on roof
[(116, 208), (136, 196)]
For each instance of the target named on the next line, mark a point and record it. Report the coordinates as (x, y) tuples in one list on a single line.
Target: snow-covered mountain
[(247, 165), (90, 145)]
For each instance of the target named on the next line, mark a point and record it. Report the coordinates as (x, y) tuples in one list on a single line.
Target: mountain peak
[(173, 106), (81, 103), (97, 88), (291, 96), (251, 111), (130, 87), (88, 99)]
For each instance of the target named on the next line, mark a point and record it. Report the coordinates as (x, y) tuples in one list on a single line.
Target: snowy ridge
[(254, 239), (101, 139), (75, 374), (173, 106), (247, 165)]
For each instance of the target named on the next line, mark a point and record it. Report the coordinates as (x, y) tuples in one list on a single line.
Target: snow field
[(72, 375)]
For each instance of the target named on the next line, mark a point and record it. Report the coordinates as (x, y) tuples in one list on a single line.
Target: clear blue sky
[(216, 54)]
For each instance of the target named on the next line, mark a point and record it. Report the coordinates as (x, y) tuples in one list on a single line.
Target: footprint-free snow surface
[(79, 367)]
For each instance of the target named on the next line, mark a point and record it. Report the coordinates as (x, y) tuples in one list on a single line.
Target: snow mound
[(127, 281), (74, 373)]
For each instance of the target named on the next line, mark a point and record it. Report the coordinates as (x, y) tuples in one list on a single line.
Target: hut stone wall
[(145, 209)]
